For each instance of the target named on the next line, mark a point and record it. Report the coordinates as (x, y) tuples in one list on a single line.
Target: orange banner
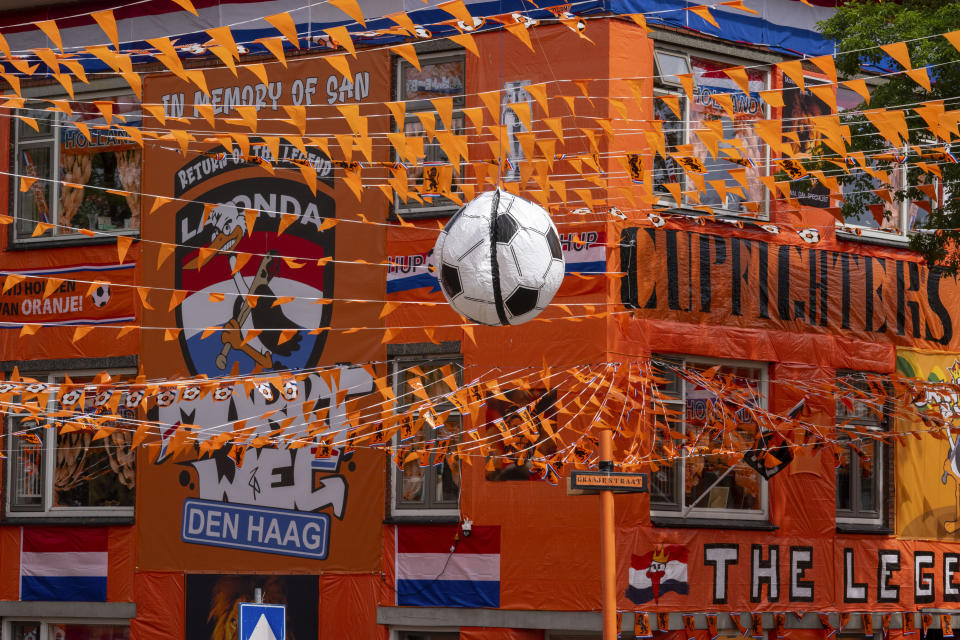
[(749, 282)]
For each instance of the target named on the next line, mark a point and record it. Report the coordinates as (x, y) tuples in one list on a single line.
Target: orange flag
[(285, 25), (341, 37), (409, 54), (920, 76), (520, 31), (492, 101), (274, 46), (826, 64), (773, 97), (339, 64), (466, 41), (953, 38), (123, 245), (739, 75), (738, 4), (50, 28), (224, 37), (899, 52), (859, 86), (458, 10), (351, 8), (109, 25), (704, 12), (187, 6), (794, 71)]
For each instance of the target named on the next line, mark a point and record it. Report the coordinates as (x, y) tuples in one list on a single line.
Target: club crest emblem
[(261, 287)]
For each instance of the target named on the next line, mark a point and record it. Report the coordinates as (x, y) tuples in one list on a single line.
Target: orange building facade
[(168, 537)]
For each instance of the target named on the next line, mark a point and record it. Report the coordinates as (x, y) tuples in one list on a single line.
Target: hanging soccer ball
[(499, 259), (101, 295)]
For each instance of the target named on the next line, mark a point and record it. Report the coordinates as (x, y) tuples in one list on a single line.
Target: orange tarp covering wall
[(160, 606), (348, 607)]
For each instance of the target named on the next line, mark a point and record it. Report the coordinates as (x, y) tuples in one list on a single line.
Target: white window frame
[(56, 123), (399, 364), (415, 106), (880, 460), (903, 232), (45, 623), (672, 88), (761, 514), (49, 467)]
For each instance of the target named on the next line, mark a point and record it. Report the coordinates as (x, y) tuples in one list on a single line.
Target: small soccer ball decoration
[(499, 259), (101, 295)]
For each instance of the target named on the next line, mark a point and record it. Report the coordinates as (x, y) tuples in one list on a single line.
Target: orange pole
[(608, 539)]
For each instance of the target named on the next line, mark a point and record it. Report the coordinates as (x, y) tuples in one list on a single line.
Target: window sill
[(26, 244), (669, 522), (885, 240), (80, 520), (868, 529), (422, 519), (720, 215)]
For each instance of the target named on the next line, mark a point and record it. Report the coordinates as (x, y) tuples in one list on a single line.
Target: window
[(671, 109), (714, 141), (428, 481), (83, 183), (860, 468), (433, 178), (709, 485), (880, 217), (73, 470), (65, 630)]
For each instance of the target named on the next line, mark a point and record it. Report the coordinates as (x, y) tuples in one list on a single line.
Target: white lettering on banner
[(218, 416), (51, 305), (269, 205), (720, 555), (764, 572), (278, 478), (302, 92), (934, 574), (221, 524)]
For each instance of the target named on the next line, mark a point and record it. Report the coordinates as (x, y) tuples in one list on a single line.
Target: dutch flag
[(435, 569), (658, 572), (63, 563)]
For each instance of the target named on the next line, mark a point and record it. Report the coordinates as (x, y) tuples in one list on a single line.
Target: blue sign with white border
[(262, 621), (283, 531)]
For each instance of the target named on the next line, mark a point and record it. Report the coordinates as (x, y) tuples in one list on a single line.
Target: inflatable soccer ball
[(499, 259)]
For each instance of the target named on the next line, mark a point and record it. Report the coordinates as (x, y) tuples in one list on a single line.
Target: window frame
[(661, 87), (903, 232), (47, 510), (430, 508), (412, 107), (857, 515), (679, 471), (46, 622), (51, 141)]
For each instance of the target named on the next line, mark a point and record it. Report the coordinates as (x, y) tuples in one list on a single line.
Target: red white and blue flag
[(658, 572), (63, 563), (435, 568)]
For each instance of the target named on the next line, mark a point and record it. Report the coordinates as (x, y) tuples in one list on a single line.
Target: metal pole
[(258, 595), (608, 539)]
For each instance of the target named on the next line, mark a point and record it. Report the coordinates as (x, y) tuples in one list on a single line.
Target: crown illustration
[(660, 554)]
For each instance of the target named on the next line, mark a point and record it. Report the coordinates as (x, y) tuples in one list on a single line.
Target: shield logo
[(262, 287)]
